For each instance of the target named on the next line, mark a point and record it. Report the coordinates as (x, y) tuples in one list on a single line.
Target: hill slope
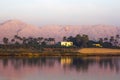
[(14, 27)]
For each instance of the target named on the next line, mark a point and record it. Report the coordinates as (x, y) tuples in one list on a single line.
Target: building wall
[(67, 44)]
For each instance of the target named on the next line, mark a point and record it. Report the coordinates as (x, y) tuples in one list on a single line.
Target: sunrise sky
[(63, 12)]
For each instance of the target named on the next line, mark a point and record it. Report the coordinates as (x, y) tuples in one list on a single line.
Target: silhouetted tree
[(5, 40), (105, 39), (40, 40), (78, 40), (100, 41), (117, 40), (107, 45), (12, 41), (85, 40), (64, 38)]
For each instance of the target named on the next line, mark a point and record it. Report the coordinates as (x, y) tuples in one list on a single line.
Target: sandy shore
[(99, 51)]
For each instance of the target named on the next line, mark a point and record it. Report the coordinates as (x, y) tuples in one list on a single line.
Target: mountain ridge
[(16, 27)]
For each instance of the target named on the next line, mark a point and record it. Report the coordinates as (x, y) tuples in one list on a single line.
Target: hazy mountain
[(14, 27)]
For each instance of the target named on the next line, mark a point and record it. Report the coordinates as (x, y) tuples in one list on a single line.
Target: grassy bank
[(36, 52), (61, 52)]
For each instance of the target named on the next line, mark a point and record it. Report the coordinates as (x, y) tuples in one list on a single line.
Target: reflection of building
[(66, 61), (66, 43)]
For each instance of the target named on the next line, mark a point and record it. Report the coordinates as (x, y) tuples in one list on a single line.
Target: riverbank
[(61, 52), (99, 51)]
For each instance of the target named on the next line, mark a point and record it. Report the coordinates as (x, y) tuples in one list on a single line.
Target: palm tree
[(40, 40), (117, 40), (85, 40), (5, 40), (100, 41), (118, 36), (12, 41), (51, 41), (46, 40), (24, 40), (70, 38), (64, 38), (78, 40), (18, 38), (105, 39), (116, 43), (112, 40)]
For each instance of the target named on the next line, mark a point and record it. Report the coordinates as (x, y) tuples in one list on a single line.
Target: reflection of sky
[(62, 11), (55, 72)]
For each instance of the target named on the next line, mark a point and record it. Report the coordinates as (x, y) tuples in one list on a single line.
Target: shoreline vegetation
[(61, 52), (79, 45)]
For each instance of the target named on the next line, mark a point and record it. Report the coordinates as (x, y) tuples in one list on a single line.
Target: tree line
[(30, 42), (81, 41)]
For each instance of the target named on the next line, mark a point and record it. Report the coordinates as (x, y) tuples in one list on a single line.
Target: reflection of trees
[(5, 62), (77, 63), (83, 64), (112, 63), (17, 63)]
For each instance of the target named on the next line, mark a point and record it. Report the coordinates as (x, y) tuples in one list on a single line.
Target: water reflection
[(83, 63), (18, 63), (69, 63), (59, 68)]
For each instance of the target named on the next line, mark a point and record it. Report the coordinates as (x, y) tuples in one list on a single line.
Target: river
[(60, 68)]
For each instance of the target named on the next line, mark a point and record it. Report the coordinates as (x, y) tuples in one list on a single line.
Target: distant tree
[(64, 38), (12, 41), (17, 44), (18, 38), (51, 41), (112, 40), (115, 43), (78, 41), (43, 43), (5, 40), (105, 39), (117, 36), (40, 40), (25, 41), (100, 41), (107, 45), (46, 40), (117, 40), (32, 42), (70, 38), (85, 40), (90, 43)]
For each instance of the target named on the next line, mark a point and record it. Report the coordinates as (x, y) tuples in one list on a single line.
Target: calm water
[(60, 68)]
